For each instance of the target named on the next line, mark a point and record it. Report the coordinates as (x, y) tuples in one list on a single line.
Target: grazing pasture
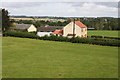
[(103, 33), (30, 58)]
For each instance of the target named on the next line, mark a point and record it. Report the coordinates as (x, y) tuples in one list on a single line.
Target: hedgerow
[(89, 40)]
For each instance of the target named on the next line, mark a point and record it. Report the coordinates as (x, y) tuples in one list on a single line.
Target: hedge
[(104, 37), (21, 34), (89, 40)]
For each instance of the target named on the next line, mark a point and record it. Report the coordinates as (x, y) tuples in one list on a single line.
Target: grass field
[(29, 58), (104, 33)]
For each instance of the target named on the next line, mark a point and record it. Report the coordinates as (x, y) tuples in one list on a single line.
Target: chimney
[(72, 20), (78, 19)]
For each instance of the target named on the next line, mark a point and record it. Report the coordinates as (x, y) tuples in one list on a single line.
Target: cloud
[(61, 8), (109, 4), (20, 4), (60, 0)]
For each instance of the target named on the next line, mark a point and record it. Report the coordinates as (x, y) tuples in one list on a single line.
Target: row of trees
[(107, 23), (43, 23), (102, 23), (97, 23)]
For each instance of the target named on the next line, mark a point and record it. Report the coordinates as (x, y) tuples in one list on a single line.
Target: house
[(58, 32), (28, 27), (73, 29), (49, 28)]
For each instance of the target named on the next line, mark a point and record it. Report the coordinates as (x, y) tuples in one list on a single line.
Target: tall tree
[(5, 20)]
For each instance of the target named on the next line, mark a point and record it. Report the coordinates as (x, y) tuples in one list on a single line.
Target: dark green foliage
[(99, 23), (5, 20), (55, 38), (96, 41), (21, 34), (104, 37), (97, 36)]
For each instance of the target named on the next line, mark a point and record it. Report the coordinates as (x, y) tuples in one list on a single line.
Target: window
[(81, 30), (81, 35), (85, 35)]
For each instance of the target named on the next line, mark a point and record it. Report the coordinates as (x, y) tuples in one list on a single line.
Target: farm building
[(28, 27), (44, 33), (76, 29), (58, 32), (49, 28), (73, 29)]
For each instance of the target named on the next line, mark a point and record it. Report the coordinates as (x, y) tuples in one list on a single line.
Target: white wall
[(68, 29), (32, 28), (43, 33)]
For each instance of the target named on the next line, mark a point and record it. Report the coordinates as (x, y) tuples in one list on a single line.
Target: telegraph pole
[(73, 28), (73, 20)]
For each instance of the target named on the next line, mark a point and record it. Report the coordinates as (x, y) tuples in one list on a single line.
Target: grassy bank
[(29, 58)]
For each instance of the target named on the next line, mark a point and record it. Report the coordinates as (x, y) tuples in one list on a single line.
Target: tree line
[(100, 23)]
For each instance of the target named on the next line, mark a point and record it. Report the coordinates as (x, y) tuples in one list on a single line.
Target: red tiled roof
[(60, 32), (80, 24)]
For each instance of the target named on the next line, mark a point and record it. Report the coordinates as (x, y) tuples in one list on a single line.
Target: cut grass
[(29, 58), (103, 33)]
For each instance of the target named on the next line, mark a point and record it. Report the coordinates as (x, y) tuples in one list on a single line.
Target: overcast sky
[(66, 8)]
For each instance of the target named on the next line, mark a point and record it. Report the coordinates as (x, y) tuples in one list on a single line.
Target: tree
[(5, 20)]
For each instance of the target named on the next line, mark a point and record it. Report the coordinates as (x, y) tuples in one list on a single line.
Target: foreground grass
[(29, 58), (103, 33)]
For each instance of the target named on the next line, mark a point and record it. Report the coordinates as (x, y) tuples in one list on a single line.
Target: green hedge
[(104, 37), (89, 40), (97, 41), (21, 34)]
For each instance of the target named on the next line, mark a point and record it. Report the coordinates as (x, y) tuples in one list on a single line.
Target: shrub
[(96, 36), (96, 41), (20, 34)]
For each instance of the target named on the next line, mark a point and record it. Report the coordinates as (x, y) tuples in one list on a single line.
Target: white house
[(28, 27), (73, 29), (76, 29)]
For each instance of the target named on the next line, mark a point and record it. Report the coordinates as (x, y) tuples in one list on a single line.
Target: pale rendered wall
[(32, 28), (68, 29)]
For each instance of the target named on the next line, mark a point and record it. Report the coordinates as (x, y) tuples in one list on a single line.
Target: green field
[(30, 58), (103, 33)]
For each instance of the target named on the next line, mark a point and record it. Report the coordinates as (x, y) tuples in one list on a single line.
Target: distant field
[(104, 33), (29, 58), (40, 19)]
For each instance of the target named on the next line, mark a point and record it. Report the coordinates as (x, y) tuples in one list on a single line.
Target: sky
[(62, 8)]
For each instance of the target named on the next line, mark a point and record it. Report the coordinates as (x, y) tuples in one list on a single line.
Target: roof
[(49, 28), (91, 28), (60, 32), (80, 24), (23, 26)]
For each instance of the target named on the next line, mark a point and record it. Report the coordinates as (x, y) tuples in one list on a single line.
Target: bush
[(96, 36), (96, 41), (20, 34)]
